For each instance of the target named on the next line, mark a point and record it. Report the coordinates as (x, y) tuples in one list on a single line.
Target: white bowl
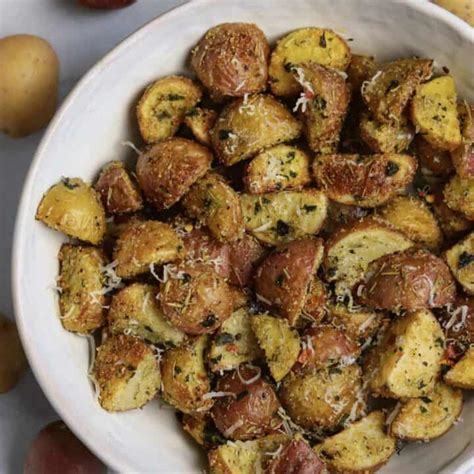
[(88, 131)]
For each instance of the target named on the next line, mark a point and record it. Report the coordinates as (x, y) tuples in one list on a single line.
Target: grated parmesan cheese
[(132, 146)]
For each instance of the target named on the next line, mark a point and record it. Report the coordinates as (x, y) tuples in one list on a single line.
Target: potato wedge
[(74, 208), (462, 374), (460, 259), (244, 255), (317, 45), (435, 115), (363, 180), (285, 216), (200, 121), (433, 161), (463, 156), (361, 68), (163, 106), (247, 126), (459, 196)]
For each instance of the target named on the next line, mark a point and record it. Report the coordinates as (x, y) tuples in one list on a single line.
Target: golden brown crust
[(459, 196), (460, 259)]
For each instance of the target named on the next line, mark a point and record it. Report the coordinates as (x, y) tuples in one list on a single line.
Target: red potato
[(106, 4), (57, 451)]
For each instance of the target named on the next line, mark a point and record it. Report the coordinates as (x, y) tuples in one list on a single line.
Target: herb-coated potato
[(361, 68), (231, 59), (126, 372), (363, 180), (317, 45), (247, 126), (74, 208), (463, 156), (168, 169), (250, 409), (285, 216), (460, 259), (314, 308), (200, 122), (80, 283), (459, 196), (141, 245), (433, 161), (280, 167), (163, 106), (185, 381), (462, 374)]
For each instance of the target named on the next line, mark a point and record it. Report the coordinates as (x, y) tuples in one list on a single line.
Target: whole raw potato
[(29, 71)]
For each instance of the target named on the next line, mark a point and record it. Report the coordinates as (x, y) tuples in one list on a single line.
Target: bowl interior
[(88, 131)]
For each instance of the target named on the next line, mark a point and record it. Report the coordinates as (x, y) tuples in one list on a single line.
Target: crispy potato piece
[(388, 91), (167, 170), (141, 245), (80, 283), (362, 447), (200, 121), (407, 360), (118, 192), (163, 105), (462, 374), (283, 278), (314, 307), (463, 156), (435, 115), (231, 59), (427, 418), (317, 45), (135, 311), (280, 344), (195, 426), (460, 259), (74, 208), (363, 180), (285, 216), (247, 126), (126, 372), (280, 167), (459, 196), (361, 68), (212, 201), (414, 218), (433, 161), (349, 251)]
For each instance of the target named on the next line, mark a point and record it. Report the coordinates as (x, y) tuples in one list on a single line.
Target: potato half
[(462, 373)]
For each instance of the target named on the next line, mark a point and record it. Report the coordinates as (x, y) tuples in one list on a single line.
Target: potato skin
[(460, 259), (168, 169), (252, 412), (459, 196)]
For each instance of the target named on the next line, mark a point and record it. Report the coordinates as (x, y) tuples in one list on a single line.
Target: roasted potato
[(462, 374), (285, 216), (185, 382), (168, 169), (317, 45), (213, 202), (283, 278), (74, 208), (141, 245), (163, 106), (135, 311), (390, 88), (429, 417), (314, 308), (463, 156), (126, 373), (247, 126), (280, 344), (460, 259), (432, 160), (407, 360), (362, 447), (80, 286), (410, 280), (280, 167), (435, 115), (459, 196), (249, 408), (231, 59), (118, 192), (361, 68), (200, 122), (364, 180)]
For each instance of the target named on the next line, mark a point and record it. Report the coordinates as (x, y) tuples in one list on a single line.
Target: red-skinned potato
[(57, 451), (106, 4)]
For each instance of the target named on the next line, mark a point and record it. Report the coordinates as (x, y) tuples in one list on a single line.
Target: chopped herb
[(392, 85), (423, 409), (224, 134), (224, 338), (177, 370), (319, 103), (257, 207), (289, 67), (282, 228), (439, 342), (309, 208), (186, 277), (209, 321), (241, 395), (207, 202), (421, 384), (211, 435), (293, 174), (426, 399), (265, 200), (322, 40), (279, 280), (174, 97), (391, 169), (163, 115), (291, 156), (217, 359), (68, 184), (334, 370), (465, 259), (193, 112)]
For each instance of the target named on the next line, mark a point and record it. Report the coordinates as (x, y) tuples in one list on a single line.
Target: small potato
[(459, 196), (168, 169), (361, 68), (462, 374), (141, 245), (118, 192), (314, 307), (80, 282), (74, 208), (249, 410), (247, 126), (317, 45), (197, 301), (434, 113), (460, 259), (433, 161), (213, 202), (283, 278), (364, 180), (463, 156), (126, 372), (185, 382), (163, 106), (200, 122), (28, 84), (231, 59), (278, 168)]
